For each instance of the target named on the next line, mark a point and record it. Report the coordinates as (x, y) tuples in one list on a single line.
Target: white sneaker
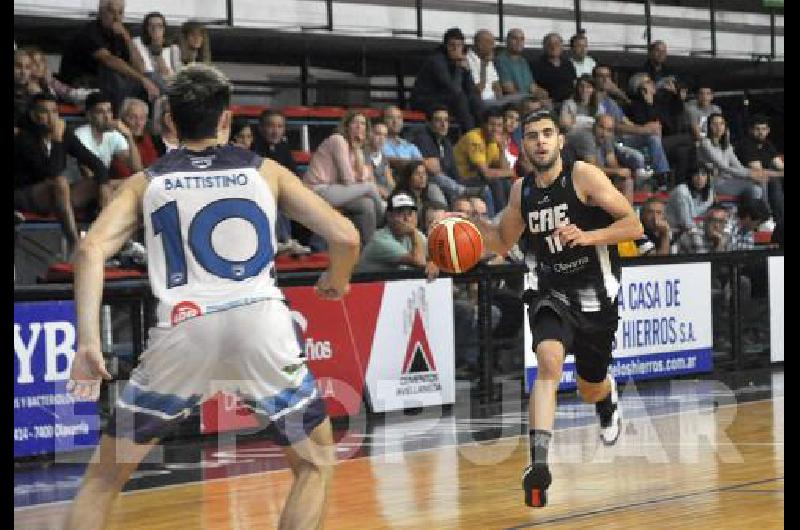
[(611, 427), (767, 226), (644, 173)]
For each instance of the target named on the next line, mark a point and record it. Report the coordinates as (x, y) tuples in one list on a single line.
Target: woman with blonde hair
[(194, 43), (340, 173)]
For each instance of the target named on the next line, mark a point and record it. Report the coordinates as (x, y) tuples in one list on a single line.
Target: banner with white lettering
[(664, 328), (413, 355), (775, 264), (46, 418)]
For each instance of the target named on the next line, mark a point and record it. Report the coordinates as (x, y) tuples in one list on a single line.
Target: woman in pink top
[(340, 173)]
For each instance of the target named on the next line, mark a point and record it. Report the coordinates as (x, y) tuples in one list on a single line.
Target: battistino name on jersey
[(209, 225), (586, 277)]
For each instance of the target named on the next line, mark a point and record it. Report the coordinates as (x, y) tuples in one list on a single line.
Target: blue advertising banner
[(46, 418)]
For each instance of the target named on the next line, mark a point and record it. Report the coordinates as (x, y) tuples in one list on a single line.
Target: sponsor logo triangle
[(419, 357)]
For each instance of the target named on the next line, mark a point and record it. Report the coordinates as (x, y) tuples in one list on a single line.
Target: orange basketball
[(455, 245)]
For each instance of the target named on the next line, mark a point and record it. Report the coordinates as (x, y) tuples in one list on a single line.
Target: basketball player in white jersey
[(569, 218), (209, 213)]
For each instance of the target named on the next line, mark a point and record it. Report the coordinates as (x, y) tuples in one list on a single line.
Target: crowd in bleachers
[(650, 138)]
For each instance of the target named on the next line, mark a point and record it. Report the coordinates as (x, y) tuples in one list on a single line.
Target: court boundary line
[(368, 457), (622, 507)]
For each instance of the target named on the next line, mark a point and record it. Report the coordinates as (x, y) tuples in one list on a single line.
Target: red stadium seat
[(68, 109), (64, 272), (301, 157), (247, 111), (413, 115), (317, 261)]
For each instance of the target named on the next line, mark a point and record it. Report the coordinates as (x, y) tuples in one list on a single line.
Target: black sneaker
[(610, 417), (535, 481)]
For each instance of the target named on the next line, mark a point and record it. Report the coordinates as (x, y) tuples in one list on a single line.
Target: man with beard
[(40, 158), (570, 218), (107, 138)]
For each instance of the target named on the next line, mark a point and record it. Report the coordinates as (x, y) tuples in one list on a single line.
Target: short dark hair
[(452, 33), (237, 124), (197, 98), (436, 108), (752, 208), (533, 117), (145, 35), (95, 98), (758, 119), (578, 36), (491, 112), (268, 113), (38, 98), (716, 207), (653, 200), (600, 65)]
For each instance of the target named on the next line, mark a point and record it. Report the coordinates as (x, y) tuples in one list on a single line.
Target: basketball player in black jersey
[(569, 218)]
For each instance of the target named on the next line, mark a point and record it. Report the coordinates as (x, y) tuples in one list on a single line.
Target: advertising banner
[(664, 328), (775, 264)]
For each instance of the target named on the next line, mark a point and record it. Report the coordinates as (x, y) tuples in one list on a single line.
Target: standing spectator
[(733, 178), (445, 80), (712, 238), (40, 182), (656, 66), (396, 147), (270, 142), (481, 64), (691, 199), (579, 47), (159, 61), (513, 68), (700, 109), (479, 158), (414, 178), (380, 164), (399, 244), (656, 227), (241, 133), (107, 138), (757, 152), (103, 56), (339, 173), (134, 115), (194, 43), (22, 80), (553, 72)]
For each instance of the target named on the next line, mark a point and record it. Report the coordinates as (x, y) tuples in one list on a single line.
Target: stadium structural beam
[(329, 11), (713, 13), (648, 22), (419, 18), (500, 22), (772, 32), (229, 13), (577, 17)]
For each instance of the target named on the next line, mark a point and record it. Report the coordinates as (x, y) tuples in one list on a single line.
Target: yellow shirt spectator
[(473, 150)]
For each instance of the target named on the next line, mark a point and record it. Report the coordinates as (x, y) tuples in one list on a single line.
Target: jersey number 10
[(166, 222)]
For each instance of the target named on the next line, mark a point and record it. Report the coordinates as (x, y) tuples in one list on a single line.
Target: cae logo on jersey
[(548, 219), (183, 311)]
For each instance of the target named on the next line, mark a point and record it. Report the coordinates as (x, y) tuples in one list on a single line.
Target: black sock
[(539, 444), (605, 407)]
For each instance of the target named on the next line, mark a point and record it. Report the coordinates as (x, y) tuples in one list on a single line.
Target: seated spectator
[(733, 178), (516, 77), (712, 238), (757, 152), (598, 149), (479, 158), (40, 182), (656, 227), (158, 60), (241, 133), (750, 215), (108, 138), (102, 55), (435, 212), (700, 109), (579, 48), (42, 80), (481, 65), (134, 115), (380, 164), (511, 121), (414, 178), (437, 152), (194, 44), (578, 112), (633, 135), (270, 142), (445, 80), (396, 149), (399, 244), (656, 66), (165, 135), (22, 80), (554, 73), (339, 173), (691, 199)]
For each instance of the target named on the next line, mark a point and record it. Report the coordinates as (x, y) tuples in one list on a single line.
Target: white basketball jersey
[(209, 222)]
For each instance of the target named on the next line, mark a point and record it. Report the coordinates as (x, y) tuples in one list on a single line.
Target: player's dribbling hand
[(572, 236), (88, 368), (328, 290)]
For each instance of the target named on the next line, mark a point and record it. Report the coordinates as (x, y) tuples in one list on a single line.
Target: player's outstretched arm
[(308, 208), (115, 225), (502, 234), (594, 188)]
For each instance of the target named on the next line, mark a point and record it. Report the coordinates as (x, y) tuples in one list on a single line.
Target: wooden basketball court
[(664, 473)]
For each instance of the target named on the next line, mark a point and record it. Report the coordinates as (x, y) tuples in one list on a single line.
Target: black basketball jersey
[(586, 277)]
